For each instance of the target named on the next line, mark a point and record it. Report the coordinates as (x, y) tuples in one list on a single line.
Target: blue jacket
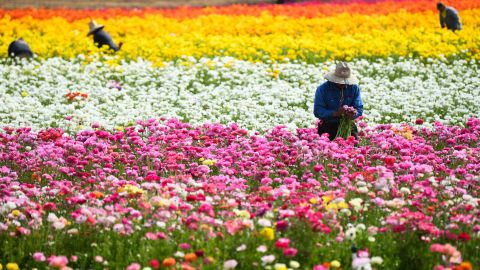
[(101, 38), (450, 18), (327, 101), (19, 48)]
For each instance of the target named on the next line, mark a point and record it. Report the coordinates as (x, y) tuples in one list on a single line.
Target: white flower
[(244, 89), (356, 203), (376, 260), (230, 264), (294, 264), (242, 247), (179, 254), (351, 234), (361, 227), (268, 259), (262, 249), (264, 222)]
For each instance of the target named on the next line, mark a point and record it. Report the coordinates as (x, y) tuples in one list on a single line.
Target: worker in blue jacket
[(19, 48), (341, 88), (100, 37), (449, 17)]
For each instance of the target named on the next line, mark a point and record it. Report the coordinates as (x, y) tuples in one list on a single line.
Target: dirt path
[(120, 3)]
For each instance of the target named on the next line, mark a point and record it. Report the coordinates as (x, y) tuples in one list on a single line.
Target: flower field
[(195, 147)]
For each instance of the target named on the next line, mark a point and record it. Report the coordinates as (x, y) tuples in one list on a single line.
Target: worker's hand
[(342, 111)]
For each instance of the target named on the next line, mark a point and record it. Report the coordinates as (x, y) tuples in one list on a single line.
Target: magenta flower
[(282, 243), (290, 252), (39, 257)]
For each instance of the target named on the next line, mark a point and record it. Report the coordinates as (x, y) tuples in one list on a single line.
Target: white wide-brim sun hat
[(341, 75), (94, 27)]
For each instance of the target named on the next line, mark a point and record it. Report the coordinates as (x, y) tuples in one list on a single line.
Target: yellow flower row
[(342, 36)]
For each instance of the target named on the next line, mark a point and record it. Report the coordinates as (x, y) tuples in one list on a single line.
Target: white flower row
[(257, 96)]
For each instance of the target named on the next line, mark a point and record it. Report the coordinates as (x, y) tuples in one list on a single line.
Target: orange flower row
[(308, 10)]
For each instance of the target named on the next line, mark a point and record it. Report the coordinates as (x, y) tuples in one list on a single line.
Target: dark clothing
[(449, 17), (328, 98), (332, 128), (101, 38), (19, 48)]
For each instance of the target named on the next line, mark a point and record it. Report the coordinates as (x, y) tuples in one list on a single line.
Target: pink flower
[(98, 259), (154, 263), (184, 246), (282, 243), (134, 266), (151, 236), (319, 267), (290, 252), (230, 264), (57, 261), (39, 257)]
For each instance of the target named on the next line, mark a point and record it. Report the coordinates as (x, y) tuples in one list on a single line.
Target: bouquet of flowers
[(346, 121)]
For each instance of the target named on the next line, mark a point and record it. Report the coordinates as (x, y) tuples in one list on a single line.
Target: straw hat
[(341, 75), (94, 27)]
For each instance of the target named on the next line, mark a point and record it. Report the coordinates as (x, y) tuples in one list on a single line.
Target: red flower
[(389, 160), (464, 236), (155, 264), (419, 121)]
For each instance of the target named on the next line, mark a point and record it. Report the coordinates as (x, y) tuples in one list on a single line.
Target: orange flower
[(36, 177), (190, 257), (98, 194), (169, 262), (72, 95), (463, 266), (307, 11), (187, 267)]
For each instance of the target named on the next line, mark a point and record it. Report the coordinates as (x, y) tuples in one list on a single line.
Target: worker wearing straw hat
[(100, 37), (341, 88), (19, 48)]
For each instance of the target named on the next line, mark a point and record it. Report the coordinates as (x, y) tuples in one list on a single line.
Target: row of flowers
[(255, 38), (74, 94), (167, 194), (307, 9)]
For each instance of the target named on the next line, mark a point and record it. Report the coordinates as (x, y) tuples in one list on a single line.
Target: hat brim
[(98, 27), (335, 79)]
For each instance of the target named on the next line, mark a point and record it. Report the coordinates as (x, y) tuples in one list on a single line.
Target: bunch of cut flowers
[(346, 121)]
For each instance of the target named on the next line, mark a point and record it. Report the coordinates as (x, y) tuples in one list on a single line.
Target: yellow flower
[(242, 213), (313, 200), (335, 264), (209, 162), (280, 266), (131, 189), (251, 38), (267, 233), (210, 64), (16, 213), (229, 64), (12, 266), (24, 93), (326, 199)]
